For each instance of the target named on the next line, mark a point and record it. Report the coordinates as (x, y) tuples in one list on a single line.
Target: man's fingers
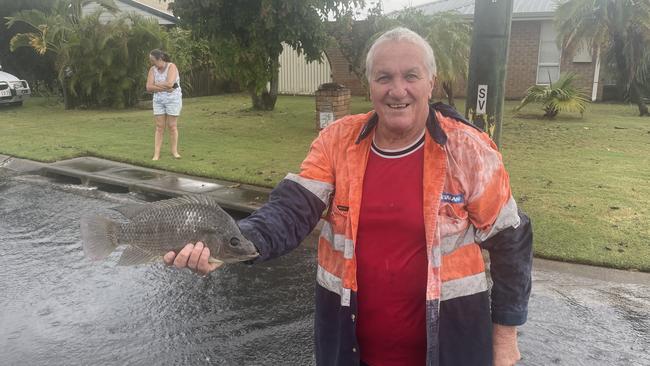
[(205, 266), (183, 256), (193, 261), (169, 258)]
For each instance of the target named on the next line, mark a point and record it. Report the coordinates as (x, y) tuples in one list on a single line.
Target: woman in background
[(164, 82)]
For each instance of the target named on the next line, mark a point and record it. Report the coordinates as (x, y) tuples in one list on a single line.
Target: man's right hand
[(194, 257)]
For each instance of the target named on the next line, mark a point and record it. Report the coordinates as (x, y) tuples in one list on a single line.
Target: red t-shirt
[(392, 260)]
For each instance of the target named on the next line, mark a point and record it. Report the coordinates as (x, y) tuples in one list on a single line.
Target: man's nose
[(399, 88)]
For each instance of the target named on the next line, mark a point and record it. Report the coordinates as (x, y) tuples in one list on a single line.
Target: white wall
[(299, 77)]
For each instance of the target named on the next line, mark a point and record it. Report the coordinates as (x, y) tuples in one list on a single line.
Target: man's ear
[(433, 84)]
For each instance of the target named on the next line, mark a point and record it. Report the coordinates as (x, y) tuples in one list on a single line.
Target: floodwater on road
[(58, 308)]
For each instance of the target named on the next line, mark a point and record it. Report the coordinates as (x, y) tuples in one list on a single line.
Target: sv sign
[(481, 99)]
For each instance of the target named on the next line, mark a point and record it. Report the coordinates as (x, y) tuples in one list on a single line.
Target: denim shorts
[(168, 106)]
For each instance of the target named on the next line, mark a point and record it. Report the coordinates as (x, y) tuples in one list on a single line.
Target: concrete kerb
[(110, 175), (21, 166)]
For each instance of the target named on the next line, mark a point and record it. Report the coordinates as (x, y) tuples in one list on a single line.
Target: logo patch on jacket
[(452, 198)]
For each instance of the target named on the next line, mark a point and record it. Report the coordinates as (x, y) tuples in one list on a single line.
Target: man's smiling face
[(400, 85)]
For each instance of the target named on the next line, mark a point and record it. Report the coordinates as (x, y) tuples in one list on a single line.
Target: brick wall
[(584, 73), (341, 71), (522, 58)]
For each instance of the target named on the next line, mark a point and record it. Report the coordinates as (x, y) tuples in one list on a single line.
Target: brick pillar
[(332, 103)]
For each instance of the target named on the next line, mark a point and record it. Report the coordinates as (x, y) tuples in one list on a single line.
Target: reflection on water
[(57, 308)]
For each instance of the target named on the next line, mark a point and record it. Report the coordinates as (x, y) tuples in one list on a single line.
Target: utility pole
[(487, 65)]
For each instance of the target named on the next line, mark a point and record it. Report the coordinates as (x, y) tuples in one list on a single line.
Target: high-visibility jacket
[(467, 205)]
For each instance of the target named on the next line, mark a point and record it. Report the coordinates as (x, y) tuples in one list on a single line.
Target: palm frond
[(559, 96)]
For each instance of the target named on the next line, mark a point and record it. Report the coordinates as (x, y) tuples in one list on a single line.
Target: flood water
[(58, 308)]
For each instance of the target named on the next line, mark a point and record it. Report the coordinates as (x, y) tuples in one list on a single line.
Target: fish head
[(230, 246)]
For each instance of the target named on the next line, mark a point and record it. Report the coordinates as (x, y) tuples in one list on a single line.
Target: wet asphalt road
[(57, 308)]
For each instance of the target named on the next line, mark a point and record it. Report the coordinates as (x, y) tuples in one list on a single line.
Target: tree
[(248, 36), (556, 97), (99, 63), (354, 37), (50, 31), (620, 28), (24, 63), (109, 60)]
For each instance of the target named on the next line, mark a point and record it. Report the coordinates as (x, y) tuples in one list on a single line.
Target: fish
[(154, 229)]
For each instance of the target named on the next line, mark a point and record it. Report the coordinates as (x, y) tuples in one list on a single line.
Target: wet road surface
[(58, 308)]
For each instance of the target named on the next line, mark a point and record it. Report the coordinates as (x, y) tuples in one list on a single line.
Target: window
[(583, 53), (548, 64)]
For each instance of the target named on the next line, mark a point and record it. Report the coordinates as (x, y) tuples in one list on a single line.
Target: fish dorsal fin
[(132, 210), (197, 199), (134, 255)]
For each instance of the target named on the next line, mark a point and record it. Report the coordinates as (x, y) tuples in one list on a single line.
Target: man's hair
[(401, 34)]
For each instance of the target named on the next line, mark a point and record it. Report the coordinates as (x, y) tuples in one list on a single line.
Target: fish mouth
[(234, 259)]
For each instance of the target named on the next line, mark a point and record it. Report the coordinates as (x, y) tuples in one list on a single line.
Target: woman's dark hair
[(160, 55)]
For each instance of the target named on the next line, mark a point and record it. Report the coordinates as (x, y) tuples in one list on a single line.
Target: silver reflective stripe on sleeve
[(339, 242), (452, 242), (334, 284), (322, 190), (464, 286), (508, 217)]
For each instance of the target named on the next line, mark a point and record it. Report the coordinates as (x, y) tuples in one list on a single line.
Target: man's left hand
[(504, 345)]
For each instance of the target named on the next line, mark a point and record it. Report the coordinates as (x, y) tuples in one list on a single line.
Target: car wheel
[(18, 104)]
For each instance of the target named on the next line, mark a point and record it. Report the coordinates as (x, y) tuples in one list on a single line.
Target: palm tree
[(51, 32), (555, 97), (621, 28)]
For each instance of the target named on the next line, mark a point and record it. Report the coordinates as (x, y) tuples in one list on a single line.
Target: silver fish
[(156, 228)]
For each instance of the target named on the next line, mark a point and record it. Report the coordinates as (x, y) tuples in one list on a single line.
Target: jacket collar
[(433, 125)]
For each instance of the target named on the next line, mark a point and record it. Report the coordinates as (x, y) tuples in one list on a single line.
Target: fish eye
[(234, 242)]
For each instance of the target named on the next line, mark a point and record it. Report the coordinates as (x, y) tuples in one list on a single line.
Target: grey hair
[(401, 34)]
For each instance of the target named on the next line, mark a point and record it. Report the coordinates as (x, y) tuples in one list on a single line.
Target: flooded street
[(58, 308)]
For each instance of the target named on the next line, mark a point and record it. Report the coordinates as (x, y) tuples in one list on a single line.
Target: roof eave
[(152, 11)]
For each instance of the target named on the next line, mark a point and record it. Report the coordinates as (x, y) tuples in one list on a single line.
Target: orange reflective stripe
[(334, 262), (462, 262)]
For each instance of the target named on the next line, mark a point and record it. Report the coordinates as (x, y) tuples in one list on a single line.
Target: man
[(412, 193)]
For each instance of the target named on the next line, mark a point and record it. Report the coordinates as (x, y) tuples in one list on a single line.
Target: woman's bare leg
[(158, 137), (173, 134)]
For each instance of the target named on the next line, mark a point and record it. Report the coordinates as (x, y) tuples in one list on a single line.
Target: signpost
[(487, 65)]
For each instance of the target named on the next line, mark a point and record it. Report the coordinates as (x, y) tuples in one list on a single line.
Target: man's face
[(400, 86)]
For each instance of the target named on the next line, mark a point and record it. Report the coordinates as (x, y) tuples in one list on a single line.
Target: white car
[(13, 91)]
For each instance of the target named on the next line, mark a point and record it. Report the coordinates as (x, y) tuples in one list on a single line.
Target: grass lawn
[(584, 181)]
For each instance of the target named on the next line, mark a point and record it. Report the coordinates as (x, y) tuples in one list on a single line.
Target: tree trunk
[(624, 74), (67, 100), (447, 86), (637, 98), (266, 100)]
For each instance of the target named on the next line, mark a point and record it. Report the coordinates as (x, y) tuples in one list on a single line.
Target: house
[(154, 9), (533, 54)]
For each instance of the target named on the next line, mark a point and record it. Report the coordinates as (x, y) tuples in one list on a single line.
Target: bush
[(555, 97), (109, 61)]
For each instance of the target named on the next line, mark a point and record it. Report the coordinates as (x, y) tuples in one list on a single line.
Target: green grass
[(219, 136), (585, 182)]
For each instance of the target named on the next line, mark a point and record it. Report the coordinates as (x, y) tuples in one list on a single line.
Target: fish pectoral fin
[(134, 255), (132, 210)]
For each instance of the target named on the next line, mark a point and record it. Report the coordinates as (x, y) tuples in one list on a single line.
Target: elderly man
[(413, 192)]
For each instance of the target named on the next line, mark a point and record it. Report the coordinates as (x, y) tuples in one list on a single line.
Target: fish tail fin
[(99, 236)]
